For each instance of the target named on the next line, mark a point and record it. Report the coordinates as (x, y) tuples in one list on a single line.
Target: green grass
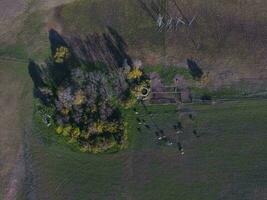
[(17, 50), (128, 19), (227, 161), (31, 41), (225, 92), (34, 36), (167, 74)]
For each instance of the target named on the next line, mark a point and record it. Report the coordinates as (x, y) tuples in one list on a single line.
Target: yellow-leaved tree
[(135, 73), (62, 53)]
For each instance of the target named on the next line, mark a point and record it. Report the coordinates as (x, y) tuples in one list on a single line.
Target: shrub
[(59, 129), (67, 130), (112, 127), (206, 97), (75, 133), (195, 70)]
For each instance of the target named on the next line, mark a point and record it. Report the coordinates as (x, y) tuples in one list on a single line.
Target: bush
[(195, 70), (67, 130), (206, 97), (75, 133), (59, 129)]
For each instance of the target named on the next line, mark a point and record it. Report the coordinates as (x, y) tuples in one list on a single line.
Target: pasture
[(227, 161)]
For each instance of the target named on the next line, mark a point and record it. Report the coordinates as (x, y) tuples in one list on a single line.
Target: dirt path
[(11, 146)]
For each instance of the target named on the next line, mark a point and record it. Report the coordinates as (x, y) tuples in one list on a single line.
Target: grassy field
[(129, 20), (230, 35), (228, 160)]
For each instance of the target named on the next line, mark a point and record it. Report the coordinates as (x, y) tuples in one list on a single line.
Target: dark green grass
[(226, 162)]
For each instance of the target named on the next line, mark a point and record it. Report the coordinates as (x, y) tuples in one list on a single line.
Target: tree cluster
[(85, 91)]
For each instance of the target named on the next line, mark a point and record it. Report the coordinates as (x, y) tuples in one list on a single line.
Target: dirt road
[(11, 132)]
